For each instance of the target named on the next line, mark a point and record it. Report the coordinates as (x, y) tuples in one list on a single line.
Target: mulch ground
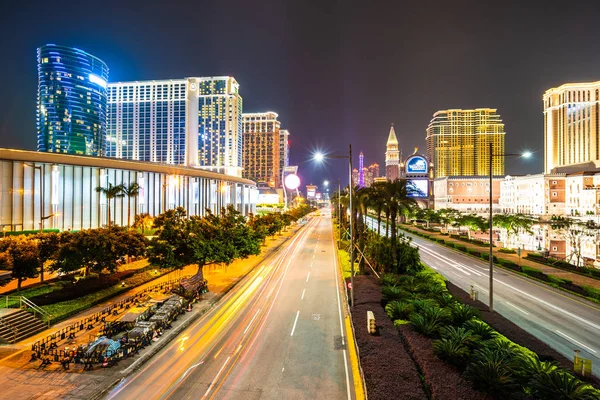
[(444, 380), (514, 332), (389, 371)]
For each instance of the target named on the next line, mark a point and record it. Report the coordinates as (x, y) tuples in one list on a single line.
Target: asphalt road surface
[(278, 335), (563, 321)]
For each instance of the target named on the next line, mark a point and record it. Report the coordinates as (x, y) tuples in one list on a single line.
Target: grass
[(344, 258), (37, 291)]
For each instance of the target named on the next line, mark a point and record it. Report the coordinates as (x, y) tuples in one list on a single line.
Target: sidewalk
[(24, 380), (12, 285), (560, 273)]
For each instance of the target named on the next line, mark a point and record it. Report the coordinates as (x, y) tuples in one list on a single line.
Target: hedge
[(29, 232)]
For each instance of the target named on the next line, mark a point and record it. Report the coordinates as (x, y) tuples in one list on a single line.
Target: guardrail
[(85, 324)]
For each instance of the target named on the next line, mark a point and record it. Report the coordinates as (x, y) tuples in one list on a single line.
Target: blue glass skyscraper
[(72, 101)]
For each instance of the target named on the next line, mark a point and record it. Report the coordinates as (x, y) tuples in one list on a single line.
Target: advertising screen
[(422, 185)]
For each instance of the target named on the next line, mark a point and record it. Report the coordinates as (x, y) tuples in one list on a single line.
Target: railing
[(24, 303)]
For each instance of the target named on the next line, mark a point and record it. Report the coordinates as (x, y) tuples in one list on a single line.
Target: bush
[(399, 310), (558, 384), (481, 329), (461, 313), (460, 247), (486, 257), (509, 264), (507, 251), (430, 320), (391, 293), (454, 236), (555, 279), (478, 242), (474, 253), (390, 280), (452, 351), (440, 241), (493, 369), (592, 292)]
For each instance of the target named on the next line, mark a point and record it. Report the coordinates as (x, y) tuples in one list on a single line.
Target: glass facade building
[(192, 121), (71, 102), (458, 142)]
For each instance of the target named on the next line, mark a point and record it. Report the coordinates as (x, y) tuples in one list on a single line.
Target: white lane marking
[(282, 369), (337, 291), (307, 276), (311, 263), (578, 318), (189, 369), (520, 309), (251, 321), (216, 377), (313, 256), (575, 341), (443, 259), (238, 349), (303, 290), (270, 292), (482, 289), (295, 322)]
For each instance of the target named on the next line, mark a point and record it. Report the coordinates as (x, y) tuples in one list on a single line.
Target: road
[(563, 321), (278, 335)]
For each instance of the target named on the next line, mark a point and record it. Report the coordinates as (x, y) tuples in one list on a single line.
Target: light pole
[(526, 154), (284, 190), (319, 158)]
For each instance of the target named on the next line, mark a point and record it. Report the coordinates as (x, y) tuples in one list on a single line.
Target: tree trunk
[(19, 280), (108, 205), (129, 214), (379, 223), (387, 223)]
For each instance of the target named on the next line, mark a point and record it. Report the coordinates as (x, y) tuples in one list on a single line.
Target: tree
[(133, 190), (448, 216), (472, 222), (48, 245), (513, 224), (426, 214), (143, 221), (25, 259), (577, 234), (399, 194), (377, 202), (112, 193)]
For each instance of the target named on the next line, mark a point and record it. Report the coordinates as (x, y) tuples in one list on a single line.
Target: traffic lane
[(563, 322), (206, 383), (297, 353), (188, 351)]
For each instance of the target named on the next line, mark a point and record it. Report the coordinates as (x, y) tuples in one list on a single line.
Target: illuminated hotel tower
[(392, 157), (458, 142), (572, 126)]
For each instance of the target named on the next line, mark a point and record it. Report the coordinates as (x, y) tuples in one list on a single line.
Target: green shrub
[(494, 369), (390, 280), (440, 240), (454, 236), (445, 299), (399, 322), (481, 329), (478, 242), (592, 292), (558, 384), (555, 279), (452, 351), (421, 304), (461, 313), (391, 293), (474, 252), (530, 271), (460, 247), (399, 309), (486, 257), (507, 251), (426, 326)]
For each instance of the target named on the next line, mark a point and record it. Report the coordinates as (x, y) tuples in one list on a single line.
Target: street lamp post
[(491, 255), (319, 157)]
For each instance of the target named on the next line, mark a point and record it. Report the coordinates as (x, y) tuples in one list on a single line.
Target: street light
[(526, 154), (319, 157), (325, 183)]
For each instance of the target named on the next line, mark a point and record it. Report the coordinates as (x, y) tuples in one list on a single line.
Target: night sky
[(336, 72)]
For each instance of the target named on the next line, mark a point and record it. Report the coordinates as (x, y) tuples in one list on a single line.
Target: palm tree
[(133, 190), (377, 202), (399, 201), (111, 192)]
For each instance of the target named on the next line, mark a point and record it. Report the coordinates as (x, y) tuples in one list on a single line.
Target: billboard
[(421, 186), (416, 165), (311, 191)]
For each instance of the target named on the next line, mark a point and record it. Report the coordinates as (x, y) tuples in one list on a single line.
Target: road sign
[(349, 285)]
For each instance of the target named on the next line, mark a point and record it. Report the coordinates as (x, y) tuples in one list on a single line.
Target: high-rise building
[(265, 148), (71, 103), (392, 157), (458, 142), (192, 121), (572, 127), (361, 169)]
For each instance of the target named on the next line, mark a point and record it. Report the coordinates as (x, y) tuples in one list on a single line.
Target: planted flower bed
[(471, 349), (389, 370)]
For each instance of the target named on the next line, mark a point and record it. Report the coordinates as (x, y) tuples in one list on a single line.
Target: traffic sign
[(349, 285)]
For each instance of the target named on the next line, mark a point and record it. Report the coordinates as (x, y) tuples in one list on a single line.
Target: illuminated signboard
[(421, 188), (416, 165)]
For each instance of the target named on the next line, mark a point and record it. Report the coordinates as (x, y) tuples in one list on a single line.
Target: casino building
[(52, 190)]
